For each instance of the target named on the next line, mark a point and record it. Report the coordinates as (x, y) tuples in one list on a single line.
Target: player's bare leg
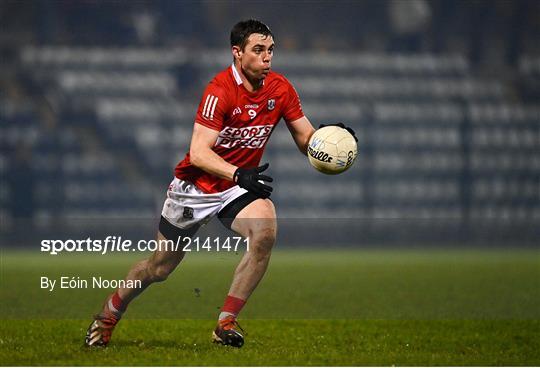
[(257, 222), (154, 269)]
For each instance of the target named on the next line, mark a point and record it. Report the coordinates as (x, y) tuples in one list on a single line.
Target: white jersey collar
[(236, 75)]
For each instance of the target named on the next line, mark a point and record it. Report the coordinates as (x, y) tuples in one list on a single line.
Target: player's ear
[(237, 52)]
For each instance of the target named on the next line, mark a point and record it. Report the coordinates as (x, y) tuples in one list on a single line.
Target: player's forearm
[(207, 160), (301, 131), (304, 142)]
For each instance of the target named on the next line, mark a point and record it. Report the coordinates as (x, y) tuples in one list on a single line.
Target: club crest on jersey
[(271, 104)]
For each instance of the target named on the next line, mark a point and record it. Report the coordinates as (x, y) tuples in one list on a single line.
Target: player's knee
[(262, 241), (159, 273), (266, 236)]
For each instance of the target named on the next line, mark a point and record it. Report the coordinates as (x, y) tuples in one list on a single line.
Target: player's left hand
[(253, 181), (341, 125)]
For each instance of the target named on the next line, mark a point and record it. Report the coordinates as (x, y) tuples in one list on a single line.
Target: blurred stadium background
[(98, 100)]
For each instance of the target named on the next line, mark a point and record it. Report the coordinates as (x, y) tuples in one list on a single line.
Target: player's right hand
[(249, 180), (341, 125)]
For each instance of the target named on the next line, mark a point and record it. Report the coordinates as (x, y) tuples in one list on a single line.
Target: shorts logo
[(271, 104), (188, 213)]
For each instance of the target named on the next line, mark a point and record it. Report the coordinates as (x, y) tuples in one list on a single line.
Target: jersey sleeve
[(293, 107), (213, 107)]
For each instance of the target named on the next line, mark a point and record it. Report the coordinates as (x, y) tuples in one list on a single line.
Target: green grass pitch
[(314, 307)]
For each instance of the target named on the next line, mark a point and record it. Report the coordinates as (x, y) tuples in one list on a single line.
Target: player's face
[(256, 58)]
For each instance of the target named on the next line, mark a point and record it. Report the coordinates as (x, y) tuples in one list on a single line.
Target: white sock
[(114, 311), (224, 315)]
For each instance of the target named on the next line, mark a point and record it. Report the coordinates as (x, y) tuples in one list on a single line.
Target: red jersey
[(245, 120)]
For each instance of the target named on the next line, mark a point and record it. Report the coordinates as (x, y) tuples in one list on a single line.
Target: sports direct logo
[(249, 137)]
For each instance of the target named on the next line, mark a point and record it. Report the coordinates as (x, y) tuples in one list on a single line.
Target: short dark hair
[(242, 30)]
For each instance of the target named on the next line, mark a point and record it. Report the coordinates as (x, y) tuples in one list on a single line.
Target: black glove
[(249, 179), (341, 125)]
